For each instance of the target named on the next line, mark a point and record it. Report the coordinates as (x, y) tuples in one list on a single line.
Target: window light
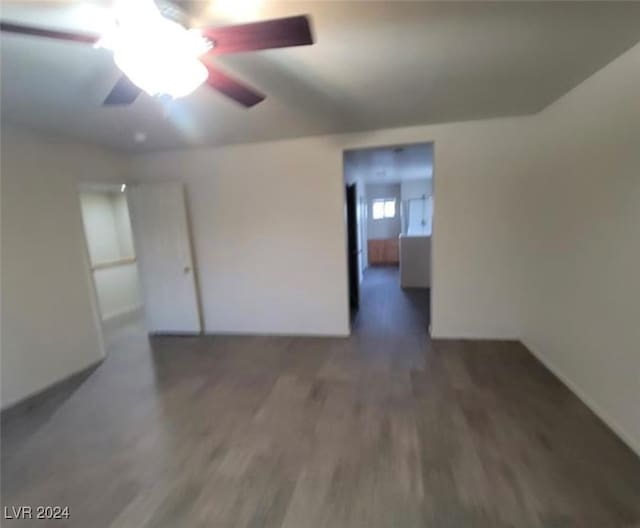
[(384, 208)]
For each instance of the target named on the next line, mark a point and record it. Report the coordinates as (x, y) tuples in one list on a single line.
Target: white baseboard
[(628, 439)]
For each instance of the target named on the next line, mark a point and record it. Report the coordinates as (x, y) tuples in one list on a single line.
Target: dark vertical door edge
[(352, 246)]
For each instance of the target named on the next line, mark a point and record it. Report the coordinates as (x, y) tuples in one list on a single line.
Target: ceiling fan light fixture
[(158, 55), (161, 57), (175, 78)]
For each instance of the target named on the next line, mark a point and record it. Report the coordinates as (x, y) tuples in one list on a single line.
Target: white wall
[(582, 231), (416, 189), (415, 261), (123, 224), (108, 231), (118, 291), (270, 244), (100, 227), (269, 234), (417, 207), (50, 324)]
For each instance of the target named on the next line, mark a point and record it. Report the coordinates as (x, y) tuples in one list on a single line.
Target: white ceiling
[(389, 164), (374, 65)]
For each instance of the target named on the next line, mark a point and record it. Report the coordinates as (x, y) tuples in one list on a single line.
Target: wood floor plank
[(385, 428)]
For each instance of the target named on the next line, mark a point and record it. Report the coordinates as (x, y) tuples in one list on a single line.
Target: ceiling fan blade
[(233, 88), (123, 93), (48, 33), (278, 33)]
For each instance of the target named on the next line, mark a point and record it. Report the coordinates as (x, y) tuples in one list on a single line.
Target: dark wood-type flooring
[(384, 429)]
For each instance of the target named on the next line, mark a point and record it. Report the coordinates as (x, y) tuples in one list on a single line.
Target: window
[(384, 208)]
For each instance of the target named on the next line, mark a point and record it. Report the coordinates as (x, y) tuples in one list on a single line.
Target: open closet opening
[(112, 256)]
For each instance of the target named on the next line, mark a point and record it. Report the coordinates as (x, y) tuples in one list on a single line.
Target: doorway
[(139, 245), (389, 211), (112, 256)]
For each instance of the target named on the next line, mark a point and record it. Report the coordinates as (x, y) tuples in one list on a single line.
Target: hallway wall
[(581, 228), (50, 324)]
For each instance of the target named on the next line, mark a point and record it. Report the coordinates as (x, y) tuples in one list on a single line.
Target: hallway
[(384, 428), (387, 309)]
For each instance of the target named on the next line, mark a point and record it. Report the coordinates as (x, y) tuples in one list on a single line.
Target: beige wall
[(268, 221), (49, 319), (123, 224), (103, 239), (582, 231), (412, 189), (268, 230), (417, 207), (415, 261), (118, 291)]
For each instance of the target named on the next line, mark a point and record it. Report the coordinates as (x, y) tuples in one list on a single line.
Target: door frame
[(366, 146)]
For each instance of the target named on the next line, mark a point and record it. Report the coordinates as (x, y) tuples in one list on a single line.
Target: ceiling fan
[(161, 56)]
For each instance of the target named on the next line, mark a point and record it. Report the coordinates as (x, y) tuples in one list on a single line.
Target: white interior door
[(163, 249)]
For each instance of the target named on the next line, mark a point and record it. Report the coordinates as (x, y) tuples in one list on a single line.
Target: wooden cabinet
[(383, 251), (375, 250), (392, 251)]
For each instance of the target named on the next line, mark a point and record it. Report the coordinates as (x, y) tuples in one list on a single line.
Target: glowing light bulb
[(156, 54)]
